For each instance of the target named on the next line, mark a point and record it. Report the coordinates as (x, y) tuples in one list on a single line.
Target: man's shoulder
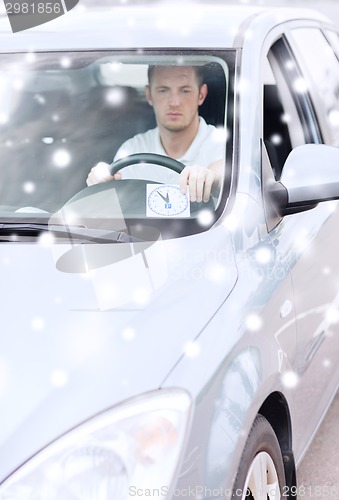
[(210, 134), (205, 127), (139, 143)]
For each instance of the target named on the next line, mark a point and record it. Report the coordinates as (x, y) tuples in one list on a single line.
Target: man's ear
[(148, 95), (203, 91)]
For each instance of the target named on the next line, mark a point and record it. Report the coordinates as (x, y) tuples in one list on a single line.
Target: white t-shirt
[(207, 147)]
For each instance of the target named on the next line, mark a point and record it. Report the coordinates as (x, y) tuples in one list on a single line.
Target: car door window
[(276, 132), (318, 60), (288, 115)]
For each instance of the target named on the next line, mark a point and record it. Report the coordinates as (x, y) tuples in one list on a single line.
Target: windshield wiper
[(73, 233)]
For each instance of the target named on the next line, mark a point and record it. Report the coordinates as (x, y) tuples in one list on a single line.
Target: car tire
[(261, 474)]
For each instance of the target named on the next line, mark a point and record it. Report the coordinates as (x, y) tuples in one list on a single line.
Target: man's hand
[(100, 173), (201, 181)]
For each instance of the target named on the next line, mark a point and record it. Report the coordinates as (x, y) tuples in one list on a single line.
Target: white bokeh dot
[(28, 187), (141, 296), (289, 64), (334, 117), (18, 84), (38, 324), (216, 272), (205, 217), (192, 349), (128, 334), (276, 139), (263, 255), (115, 97), (327, 363), (290, 379), (46, 239), (332, 315), (61, 158), (300, 85), (253, 322), (286, 118), (30, 57), (59, 378), (65, 62)]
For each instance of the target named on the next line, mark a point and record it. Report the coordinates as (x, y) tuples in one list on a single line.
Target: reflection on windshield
[(62, 114)]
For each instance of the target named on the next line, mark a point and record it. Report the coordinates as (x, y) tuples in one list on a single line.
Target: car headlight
[(125, 450)]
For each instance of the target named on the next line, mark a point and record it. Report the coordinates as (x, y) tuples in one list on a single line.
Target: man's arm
[(100, 173)]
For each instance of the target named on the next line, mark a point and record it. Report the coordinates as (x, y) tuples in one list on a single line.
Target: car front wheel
[(261, 473)]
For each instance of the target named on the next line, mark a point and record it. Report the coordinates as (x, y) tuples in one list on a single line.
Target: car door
[(307, 240)]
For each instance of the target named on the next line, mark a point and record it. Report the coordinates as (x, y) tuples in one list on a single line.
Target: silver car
[(179, 351)]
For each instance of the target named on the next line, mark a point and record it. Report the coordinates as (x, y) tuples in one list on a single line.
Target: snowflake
[(59, 378), (192, 349), (38, 324), (290, 379), (128, 334), (253, 322), (61, 158)]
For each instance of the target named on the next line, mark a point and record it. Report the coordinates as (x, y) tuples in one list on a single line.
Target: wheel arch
[(275, 409)]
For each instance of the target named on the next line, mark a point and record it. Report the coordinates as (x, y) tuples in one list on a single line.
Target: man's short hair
[(199, 72)]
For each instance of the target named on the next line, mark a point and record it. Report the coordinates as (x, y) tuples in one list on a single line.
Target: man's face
[(175, 96)]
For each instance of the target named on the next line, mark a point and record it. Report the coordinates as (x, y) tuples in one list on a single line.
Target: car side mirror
[(310, 176)]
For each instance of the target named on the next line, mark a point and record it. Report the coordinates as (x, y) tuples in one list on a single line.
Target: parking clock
[(166, 200)]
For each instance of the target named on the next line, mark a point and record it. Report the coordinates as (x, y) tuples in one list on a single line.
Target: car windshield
[(63, 113)]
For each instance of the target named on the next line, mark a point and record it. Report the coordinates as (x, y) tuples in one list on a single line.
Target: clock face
[(166, 200)]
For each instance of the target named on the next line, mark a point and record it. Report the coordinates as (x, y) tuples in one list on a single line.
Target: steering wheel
[(131, 192), (163, 161)]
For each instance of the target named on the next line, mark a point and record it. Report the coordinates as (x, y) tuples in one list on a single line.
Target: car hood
[(74, 344)]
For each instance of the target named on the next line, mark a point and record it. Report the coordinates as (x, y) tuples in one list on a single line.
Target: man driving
[(175, 93)]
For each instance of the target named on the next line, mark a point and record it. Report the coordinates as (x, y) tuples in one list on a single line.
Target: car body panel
[(77, 333), (243, 354), (315, 290), (136, 27)]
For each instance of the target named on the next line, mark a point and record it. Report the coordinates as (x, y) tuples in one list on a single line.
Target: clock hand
[(165, 198)]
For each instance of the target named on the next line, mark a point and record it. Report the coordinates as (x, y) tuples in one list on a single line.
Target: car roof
[(155, 25)]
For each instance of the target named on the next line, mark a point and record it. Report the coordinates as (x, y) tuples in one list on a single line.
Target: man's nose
[(174, 99)]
